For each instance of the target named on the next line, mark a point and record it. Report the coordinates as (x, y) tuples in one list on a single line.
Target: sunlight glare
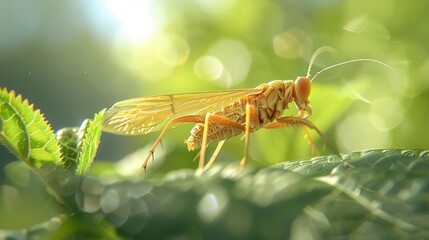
[(208, 67), (292, 43), (386, 113), (212, 204), (356, 133), (235, 59), (134, 18)]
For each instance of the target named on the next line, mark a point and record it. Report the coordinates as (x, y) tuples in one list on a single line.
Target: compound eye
[(302, 88)]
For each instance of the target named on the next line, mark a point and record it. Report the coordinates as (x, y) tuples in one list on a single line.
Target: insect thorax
[(268, 105)]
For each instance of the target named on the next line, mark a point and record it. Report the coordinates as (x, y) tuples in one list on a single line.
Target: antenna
[(351, 61), (316, 54), (330, 49)]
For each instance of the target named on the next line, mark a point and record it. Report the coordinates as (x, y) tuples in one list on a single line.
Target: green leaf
[(89, 142), (68, 139), (378, 194), (26, 132)]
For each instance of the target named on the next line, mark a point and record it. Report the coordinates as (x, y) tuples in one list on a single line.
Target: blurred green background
[(73, 58)]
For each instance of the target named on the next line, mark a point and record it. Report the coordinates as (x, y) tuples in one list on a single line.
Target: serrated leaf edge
[(46, 128), (87, 142)]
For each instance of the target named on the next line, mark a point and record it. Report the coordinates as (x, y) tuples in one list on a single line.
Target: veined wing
[(150, 114)]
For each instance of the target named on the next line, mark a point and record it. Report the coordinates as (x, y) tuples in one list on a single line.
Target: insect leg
[(310, 139), (250, 111), (215, 153), (214, 119), (189, 119), (204, 142), (296, 121), (220, 120), (196, 156), (158, 140)]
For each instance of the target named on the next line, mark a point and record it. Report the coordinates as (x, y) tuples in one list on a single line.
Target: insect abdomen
[(217, 132)]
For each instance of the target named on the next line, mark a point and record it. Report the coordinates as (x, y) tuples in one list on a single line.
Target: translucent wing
[(150, 114)]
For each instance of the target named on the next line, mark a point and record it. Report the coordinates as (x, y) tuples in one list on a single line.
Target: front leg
[(300, 122)]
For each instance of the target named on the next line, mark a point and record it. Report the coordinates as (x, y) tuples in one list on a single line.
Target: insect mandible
[(219, 115)]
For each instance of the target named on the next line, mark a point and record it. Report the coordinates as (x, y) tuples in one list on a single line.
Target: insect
[(219, 115)]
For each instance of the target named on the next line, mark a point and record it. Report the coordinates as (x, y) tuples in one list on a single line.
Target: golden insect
[(219, 115)]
